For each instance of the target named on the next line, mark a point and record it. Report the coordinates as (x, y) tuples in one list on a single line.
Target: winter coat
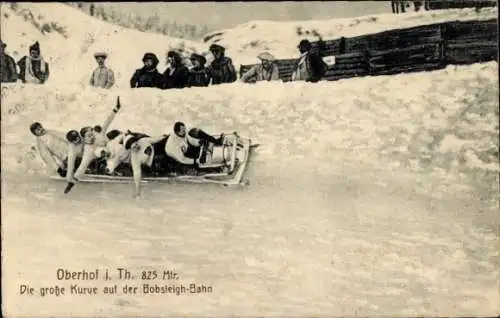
[(8, 69), (175, 78), (222, 71), (145, 78), (310, 68), (103, 77), (34, 71), (198, 77), (260, 73)]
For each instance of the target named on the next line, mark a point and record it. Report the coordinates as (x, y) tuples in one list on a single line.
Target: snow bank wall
[(443, 122)]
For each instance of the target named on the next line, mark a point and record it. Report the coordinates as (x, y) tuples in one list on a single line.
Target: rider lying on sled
[(174, 153), (88, 146), (184, 149), (52, 145)]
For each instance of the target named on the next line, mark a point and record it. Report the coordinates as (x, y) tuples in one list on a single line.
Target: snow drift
[(444, 121)]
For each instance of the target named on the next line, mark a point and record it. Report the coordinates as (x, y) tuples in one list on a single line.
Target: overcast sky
[(219, 15)]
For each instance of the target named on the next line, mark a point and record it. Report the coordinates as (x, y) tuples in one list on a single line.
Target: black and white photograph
[(244, 159)]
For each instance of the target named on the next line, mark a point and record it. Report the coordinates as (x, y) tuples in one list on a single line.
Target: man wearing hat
[(198, 76), (310, 66), (33, 68), (8, 69), (148, 75), (221, 70), (266, 71), (102, 76)]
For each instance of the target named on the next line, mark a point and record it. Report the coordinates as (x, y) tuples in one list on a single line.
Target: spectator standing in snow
[(399, 5), (176, 75), (8, 69), (102, 76), (221, 70), (33, 68), (148, 75), (198, 74), (310, 66), (266, 71)]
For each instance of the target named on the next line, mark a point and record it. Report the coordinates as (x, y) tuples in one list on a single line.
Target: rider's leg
[(200, 134)]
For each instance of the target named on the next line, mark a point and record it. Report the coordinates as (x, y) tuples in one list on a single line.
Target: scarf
[(31, 77), (300, 72)]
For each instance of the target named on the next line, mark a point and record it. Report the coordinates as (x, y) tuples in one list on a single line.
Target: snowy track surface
[(371, 196)]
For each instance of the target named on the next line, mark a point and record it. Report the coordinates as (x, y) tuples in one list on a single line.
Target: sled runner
[(225, 164)]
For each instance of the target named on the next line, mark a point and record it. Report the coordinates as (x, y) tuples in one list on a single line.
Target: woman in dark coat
[(198, 74), (148, 75), (176, 75), (221, 70)]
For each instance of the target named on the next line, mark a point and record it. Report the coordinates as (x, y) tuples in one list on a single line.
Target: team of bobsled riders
[(78, 151)]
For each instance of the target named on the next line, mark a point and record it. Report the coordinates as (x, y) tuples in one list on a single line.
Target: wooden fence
[(416, 49), (460, 4)]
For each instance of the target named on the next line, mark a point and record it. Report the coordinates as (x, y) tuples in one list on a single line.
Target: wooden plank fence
[(416, 49)]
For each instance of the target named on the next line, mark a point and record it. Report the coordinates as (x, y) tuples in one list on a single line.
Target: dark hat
[(72, 136), (35, 47), (173, 54), (177, 126), (216, 47), (34, 127), (129, 140), (85, 130), (113, 134), (199, 58), (305, 44), (150, 56)]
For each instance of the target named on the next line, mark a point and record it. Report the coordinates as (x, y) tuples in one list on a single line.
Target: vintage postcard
[(275, 159)]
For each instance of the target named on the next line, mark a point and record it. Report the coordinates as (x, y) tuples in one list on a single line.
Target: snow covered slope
[(448, 123), (70, 53), (281, 38)]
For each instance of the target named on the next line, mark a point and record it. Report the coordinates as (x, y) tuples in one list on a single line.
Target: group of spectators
[(309, 67), (178, 75), (32, 67)]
